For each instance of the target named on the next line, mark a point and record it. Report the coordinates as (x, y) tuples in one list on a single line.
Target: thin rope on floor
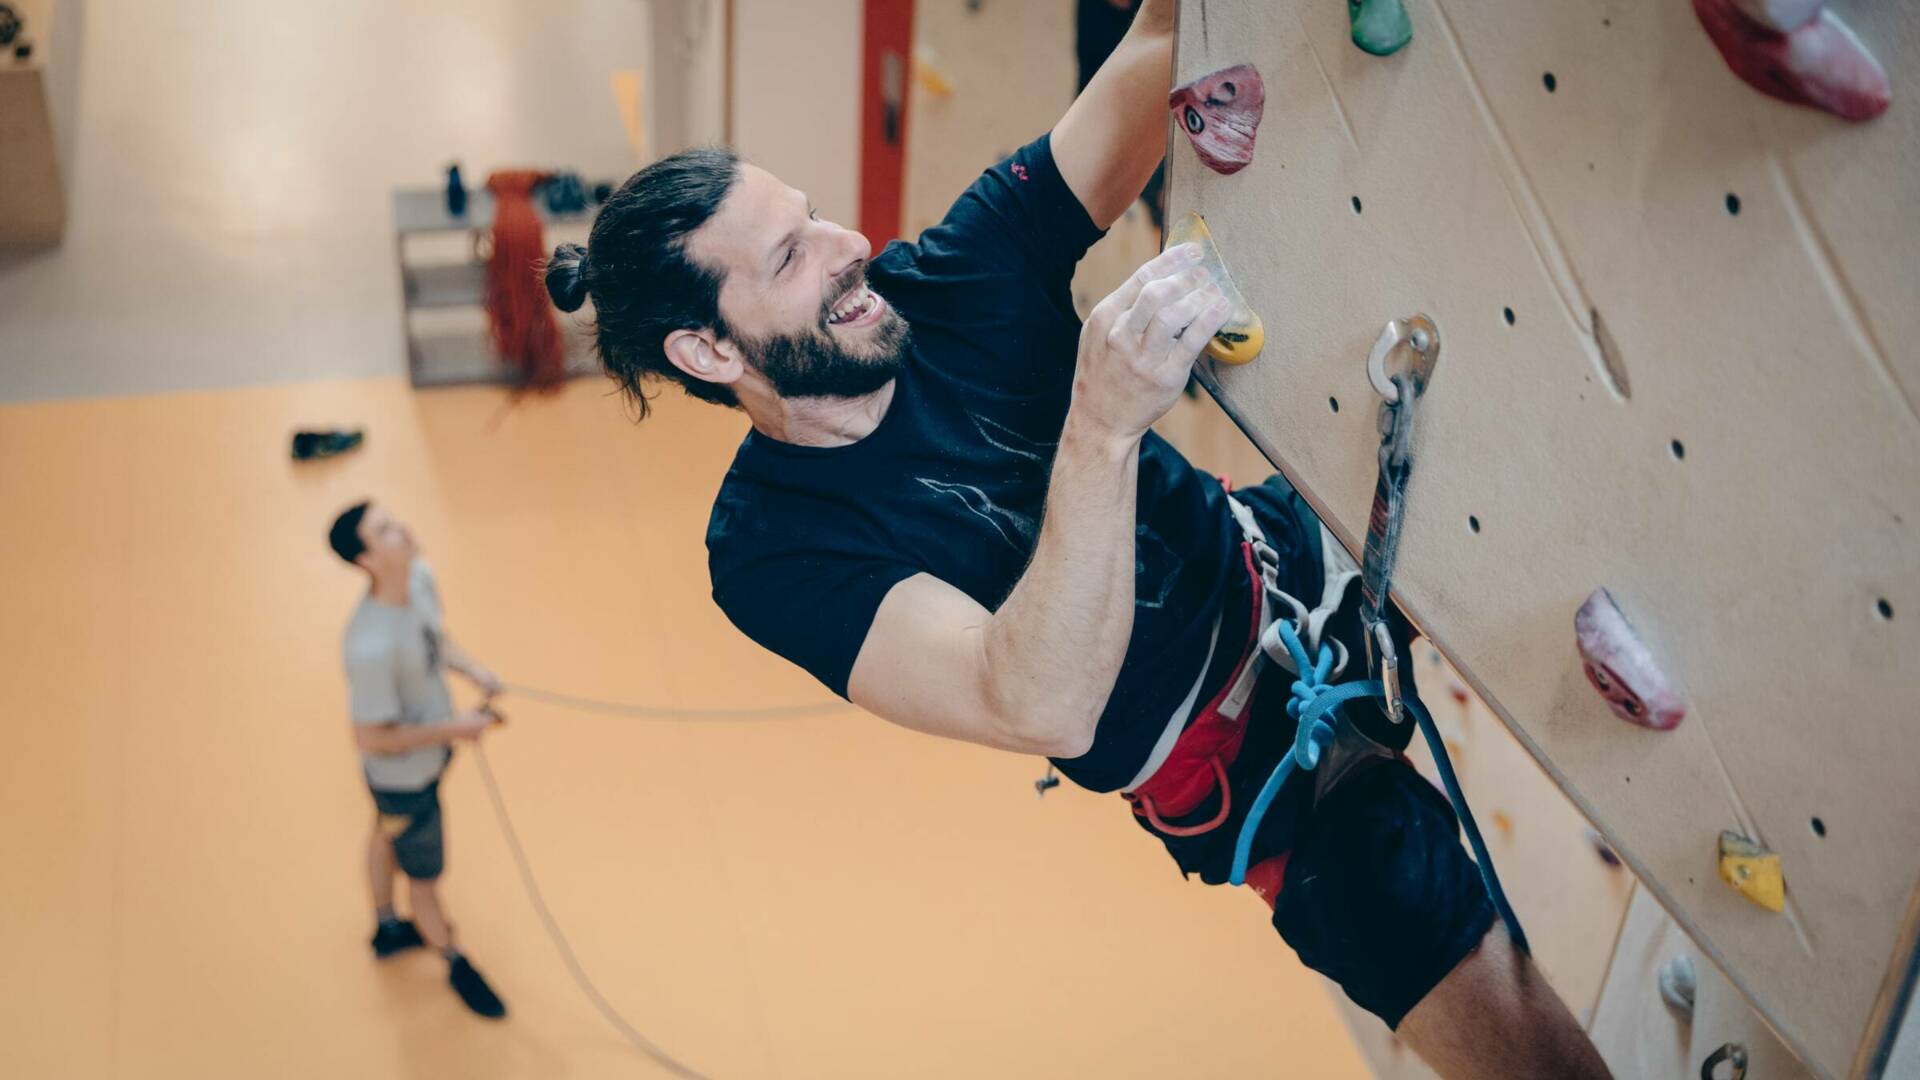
[(560, 942), (648, 712)]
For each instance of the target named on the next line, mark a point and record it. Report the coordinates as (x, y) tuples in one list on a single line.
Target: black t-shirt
[(805, 542)]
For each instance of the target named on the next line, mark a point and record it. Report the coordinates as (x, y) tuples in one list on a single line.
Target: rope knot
[(1308, 705)]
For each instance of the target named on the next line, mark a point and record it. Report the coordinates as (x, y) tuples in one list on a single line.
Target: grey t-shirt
[(393, 677)]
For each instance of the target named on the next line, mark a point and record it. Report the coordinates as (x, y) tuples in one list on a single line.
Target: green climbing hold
[(1380, 27)]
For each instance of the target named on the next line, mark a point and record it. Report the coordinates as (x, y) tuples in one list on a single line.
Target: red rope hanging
[(518, 313)]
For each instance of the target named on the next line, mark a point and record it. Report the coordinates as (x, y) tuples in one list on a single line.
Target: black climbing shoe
[(395, 936), (474, 990), (321, 444)]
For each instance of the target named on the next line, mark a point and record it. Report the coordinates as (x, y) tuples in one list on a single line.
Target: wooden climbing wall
[(1751, 499)]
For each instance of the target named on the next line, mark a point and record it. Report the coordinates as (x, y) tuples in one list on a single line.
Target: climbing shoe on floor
[(474, 990), (308, 445), (395, 935)]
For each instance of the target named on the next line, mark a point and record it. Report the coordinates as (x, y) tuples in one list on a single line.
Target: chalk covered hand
[(1139, 345)]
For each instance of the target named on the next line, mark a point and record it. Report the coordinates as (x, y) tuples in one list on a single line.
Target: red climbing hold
[(1621, 666), (1220, 114), (1820, 63)]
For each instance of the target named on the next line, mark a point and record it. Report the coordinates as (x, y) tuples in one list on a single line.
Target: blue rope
[(1309, 702), (1465, 814), (1312, 703)]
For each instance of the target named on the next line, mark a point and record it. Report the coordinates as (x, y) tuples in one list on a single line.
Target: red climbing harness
[(1197, 762), (1191, 758)]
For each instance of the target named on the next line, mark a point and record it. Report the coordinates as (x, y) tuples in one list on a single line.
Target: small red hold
[(1621, 666), (1220, 114), (1819, 64), (1459, 692)]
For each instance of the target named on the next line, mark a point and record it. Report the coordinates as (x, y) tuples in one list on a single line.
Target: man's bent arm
[(398, 738), (1035, 675), (463, 662)]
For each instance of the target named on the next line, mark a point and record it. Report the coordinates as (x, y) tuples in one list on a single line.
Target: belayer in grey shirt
[(397, 651)]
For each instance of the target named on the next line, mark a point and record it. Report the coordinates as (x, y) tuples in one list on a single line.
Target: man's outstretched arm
[(463, 662), (1108, 143)]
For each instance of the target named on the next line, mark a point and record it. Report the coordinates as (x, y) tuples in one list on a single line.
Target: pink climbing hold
[(1818, 63), (1220, 114), (1621, 667)]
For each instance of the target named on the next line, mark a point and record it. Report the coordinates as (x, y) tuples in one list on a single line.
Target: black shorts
[(411, 820), (1379, 894)]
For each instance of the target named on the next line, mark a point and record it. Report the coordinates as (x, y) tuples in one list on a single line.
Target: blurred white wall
[(796, 109), (229, 222)]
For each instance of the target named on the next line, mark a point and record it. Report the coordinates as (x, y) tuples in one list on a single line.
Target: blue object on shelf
[(456, 191)]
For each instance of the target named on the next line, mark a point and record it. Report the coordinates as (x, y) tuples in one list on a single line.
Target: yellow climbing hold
[(1241, 338), (1753, 871), (926, 72)]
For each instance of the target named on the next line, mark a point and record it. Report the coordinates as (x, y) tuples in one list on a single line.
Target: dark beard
[(814, 365)]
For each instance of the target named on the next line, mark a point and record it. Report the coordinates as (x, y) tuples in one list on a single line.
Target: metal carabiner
[(1396, 425), (1046, 783), (1734, 1054), (1384, 658)]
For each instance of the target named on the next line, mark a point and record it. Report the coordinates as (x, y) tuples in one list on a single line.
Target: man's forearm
[(457, 657), (1055, 647), (1050, 656), (400, 738), (463, 662)]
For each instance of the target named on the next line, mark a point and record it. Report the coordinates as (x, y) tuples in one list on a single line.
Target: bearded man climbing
[(950, 509)]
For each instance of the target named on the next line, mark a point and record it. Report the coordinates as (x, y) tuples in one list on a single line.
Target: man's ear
[(702, 356)]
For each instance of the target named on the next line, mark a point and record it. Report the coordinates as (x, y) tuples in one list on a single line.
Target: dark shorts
[(411, 819), (1379, 893)]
